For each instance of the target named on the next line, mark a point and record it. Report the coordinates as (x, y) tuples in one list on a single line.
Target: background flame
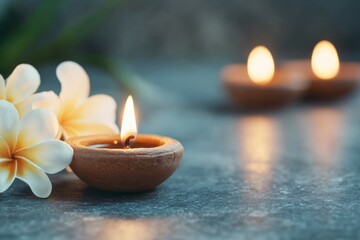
[(325, 60), (128, 125), (260, 65)]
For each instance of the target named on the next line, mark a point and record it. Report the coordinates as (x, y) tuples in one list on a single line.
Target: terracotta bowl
[(285, 88), (101, 163), (342, 85)]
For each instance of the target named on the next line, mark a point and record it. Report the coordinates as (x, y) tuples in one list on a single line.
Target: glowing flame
[(325, 60), (261, 65), (128, 125)]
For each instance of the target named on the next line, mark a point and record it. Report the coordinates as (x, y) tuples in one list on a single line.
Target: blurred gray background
[(207, 28)]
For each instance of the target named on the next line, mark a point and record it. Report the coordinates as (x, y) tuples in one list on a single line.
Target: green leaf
[(23, 38), (71, 36)]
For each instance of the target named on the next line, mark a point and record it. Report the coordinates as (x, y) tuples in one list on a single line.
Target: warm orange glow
[(260, 65), (259, 148), (325, 60), (129, 229), (325, 130), (128, 125)]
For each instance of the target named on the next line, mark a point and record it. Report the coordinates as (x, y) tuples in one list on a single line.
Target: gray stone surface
[(288, 174)]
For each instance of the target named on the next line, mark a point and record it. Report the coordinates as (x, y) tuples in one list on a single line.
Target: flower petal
[(75, 84), (22, 83), (84, 129), (7, 174), (23, 107), (37, 126), (37, 180), (67, 134), (51, 156), (9, 123), (97, 109), (48, 100), (4, 149), (2, 88)]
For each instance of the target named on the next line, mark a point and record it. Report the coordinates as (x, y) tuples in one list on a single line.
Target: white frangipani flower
[(20, 87), (77, 113), (28, 149)]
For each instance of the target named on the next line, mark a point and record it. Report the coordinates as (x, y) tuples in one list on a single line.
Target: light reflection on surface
[(258, 150), (129, 229), (325, 126)]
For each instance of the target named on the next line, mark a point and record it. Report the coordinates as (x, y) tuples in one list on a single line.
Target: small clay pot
[(285, 88), (102, 163), (343, 84)]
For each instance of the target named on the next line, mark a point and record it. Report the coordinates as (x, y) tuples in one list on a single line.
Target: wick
[(127, 141)]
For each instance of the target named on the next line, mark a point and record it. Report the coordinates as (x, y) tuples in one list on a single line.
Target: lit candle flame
[(260, 65), (325, 60), (128, 125)]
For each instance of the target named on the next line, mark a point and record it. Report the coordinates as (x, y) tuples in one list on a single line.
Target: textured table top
[(288, 174)]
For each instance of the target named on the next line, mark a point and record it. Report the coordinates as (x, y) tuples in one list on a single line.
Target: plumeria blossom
[(20, 87), (77, 113), (28, 149)]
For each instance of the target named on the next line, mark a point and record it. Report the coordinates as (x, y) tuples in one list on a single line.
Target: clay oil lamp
[(329, 78), (258, 85), (130, 162)]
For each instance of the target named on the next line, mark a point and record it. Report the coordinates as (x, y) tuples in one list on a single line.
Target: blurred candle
[(329, 78), (259, 85), (325, 60), (260, 65)]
